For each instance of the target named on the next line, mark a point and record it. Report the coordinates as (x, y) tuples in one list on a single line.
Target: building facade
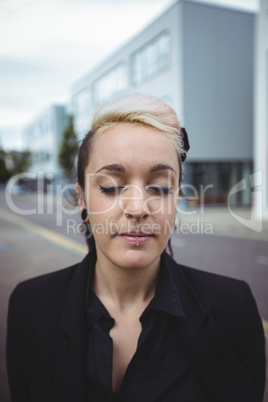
[(43, 139), (199, 59), (261, 114)]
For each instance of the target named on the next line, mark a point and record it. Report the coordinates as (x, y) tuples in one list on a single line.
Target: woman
[(128, 323)]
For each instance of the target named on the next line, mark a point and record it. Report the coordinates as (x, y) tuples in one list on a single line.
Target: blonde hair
[(139, 109)]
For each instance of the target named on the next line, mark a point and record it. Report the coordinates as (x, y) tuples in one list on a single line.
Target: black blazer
[(222, 332)]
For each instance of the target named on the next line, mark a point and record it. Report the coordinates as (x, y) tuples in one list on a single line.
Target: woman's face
[(131, 194)]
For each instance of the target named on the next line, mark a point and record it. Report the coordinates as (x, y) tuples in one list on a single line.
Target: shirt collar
[(166, 298)]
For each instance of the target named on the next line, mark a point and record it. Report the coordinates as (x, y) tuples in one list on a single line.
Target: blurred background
[(207, 58)]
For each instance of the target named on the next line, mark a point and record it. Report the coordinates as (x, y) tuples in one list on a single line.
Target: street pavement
[(213, 240), (24, 254)]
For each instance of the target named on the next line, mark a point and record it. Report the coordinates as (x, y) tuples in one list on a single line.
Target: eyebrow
[(160, 166), (113, 168), (120, 168)]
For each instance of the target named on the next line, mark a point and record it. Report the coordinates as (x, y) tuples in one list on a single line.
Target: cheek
[(164, 206), (100, 204)]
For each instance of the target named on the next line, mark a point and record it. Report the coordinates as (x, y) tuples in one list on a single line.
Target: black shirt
[(160, 368)]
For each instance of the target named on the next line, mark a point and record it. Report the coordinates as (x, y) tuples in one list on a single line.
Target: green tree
[(68, 149), (21, 161), (4, 173), (13, 162)]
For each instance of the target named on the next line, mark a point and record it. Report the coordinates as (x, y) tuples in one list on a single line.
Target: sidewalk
[(220, 221)]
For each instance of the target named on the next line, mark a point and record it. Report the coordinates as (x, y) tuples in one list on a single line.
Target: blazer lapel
[(222, 373), (69, 344), (220, 370)]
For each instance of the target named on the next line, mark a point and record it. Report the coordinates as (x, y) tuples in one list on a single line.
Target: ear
[(80, 197)]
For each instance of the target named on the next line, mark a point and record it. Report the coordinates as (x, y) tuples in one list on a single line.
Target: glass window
[(46, 124), (110, 84), (151, 58), (82, 101), (35, 130), (211, 182), (42, 126)]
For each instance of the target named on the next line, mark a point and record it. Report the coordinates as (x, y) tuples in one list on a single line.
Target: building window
[(150, 59), (82, 101), (112, 83), (211, 183), (35, 131), (46, 124)]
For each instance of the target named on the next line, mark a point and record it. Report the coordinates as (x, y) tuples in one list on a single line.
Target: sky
[(47, 45)]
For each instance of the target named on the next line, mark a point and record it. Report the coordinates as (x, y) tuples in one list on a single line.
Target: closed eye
[(110, 189), (154, 189), (160, 190)]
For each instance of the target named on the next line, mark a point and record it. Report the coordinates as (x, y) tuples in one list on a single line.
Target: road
[(42, 242)]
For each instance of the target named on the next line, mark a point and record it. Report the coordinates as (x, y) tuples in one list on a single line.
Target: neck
[(125, 288)]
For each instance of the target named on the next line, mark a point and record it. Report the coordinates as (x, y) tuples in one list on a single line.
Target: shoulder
[(41, 294), (233, 311), (47, 283), (47, 294), (57, 282), (211, 284), (221, 296), (228, 301)]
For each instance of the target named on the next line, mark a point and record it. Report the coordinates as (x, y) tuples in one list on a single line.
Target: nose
[(135, 215), (134, 205)]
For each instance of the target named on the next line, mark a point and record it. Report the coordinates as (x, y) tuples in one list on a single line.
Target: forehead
[(134, 146)]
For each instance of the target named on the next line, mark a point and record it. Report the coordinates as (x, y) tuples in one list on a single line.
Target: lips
[(135, 237)]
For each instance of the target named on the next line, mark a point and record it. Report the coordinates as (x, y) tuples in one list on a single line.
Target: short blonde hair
[(137, 109), (143, 110)]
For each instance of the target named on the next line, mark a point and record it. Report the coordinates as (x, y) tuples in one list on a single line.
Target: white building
[(199, 58), (43, 138), (261, 113)]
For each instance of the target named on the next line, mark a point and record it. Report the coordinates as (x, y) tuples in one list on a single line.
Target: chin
[(138, 258)]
